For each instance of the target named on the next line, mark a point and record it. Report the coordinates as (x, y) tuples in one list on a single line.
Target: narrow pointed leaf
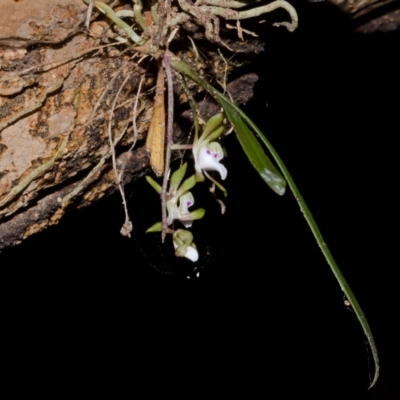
[(248, 141), (157, 227), (194, 215), (184, 69), (104, 8), (153, 184), (251, 146), (325, 250), (212, 124), (214, 134), (253, 150), (186, 185), (177, 177)]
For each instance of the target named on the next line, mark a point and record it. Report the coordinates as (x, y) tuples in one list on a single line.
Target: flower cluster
[(207, 155), (178, 201)]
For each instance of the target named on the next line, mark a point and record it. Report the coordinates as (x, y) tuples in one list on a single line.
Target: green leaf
[(104, 8), (194, 215), (240, 118), (176, 178), (248, 141), (214, 134), (321, 243), (251, 146), (153, 184), (212, 124), (157, 227), (186, 186)]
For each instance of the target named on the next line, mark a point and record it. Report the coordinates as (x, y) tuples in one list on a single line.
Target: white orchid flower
[(181, 212), (178, 199), (185, 201), (206, 151), (208, 158)]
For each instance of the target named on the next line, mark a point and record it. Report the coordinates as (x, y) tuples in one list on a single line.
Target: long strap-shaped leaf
[(321, 243), (251, 146), (242, 122), (253, 149)]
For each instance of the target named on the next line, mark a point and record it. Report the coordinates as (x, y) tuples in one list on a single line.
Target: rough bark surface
[(371, 15), (55, 116), (56, 95)]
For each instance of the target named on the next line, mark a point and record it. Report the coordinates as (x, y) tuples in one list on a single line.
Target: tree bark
[(56, 109), (55, 112), (371, 16)]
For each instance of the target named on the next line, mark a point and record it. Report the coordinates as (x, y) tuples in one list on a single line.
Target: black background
[(266, 314)]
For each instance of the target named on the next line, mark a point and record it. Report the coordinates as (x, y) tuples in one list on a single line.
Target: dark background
[(266, 314)]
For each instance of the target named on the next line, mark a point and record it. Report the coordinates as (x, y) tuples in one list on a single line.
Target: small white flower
[(208, 158), (181, 212), (206, 151), (185, 201), (178, 199), (191, 253)]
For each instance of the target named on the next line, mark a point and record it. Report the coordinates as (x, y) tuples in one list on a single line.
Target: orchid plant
[(207, 154), (178, 201), (157, 28)]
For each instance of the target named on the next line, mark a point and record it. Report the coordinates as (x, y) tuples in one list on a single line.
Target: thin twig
[(134, 119), (127, 226), (134, 128), (170, 141), (89, 14)]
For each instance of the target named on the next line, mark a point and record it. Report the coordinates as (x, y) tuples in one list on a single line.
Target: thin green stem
[(104, 8)]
